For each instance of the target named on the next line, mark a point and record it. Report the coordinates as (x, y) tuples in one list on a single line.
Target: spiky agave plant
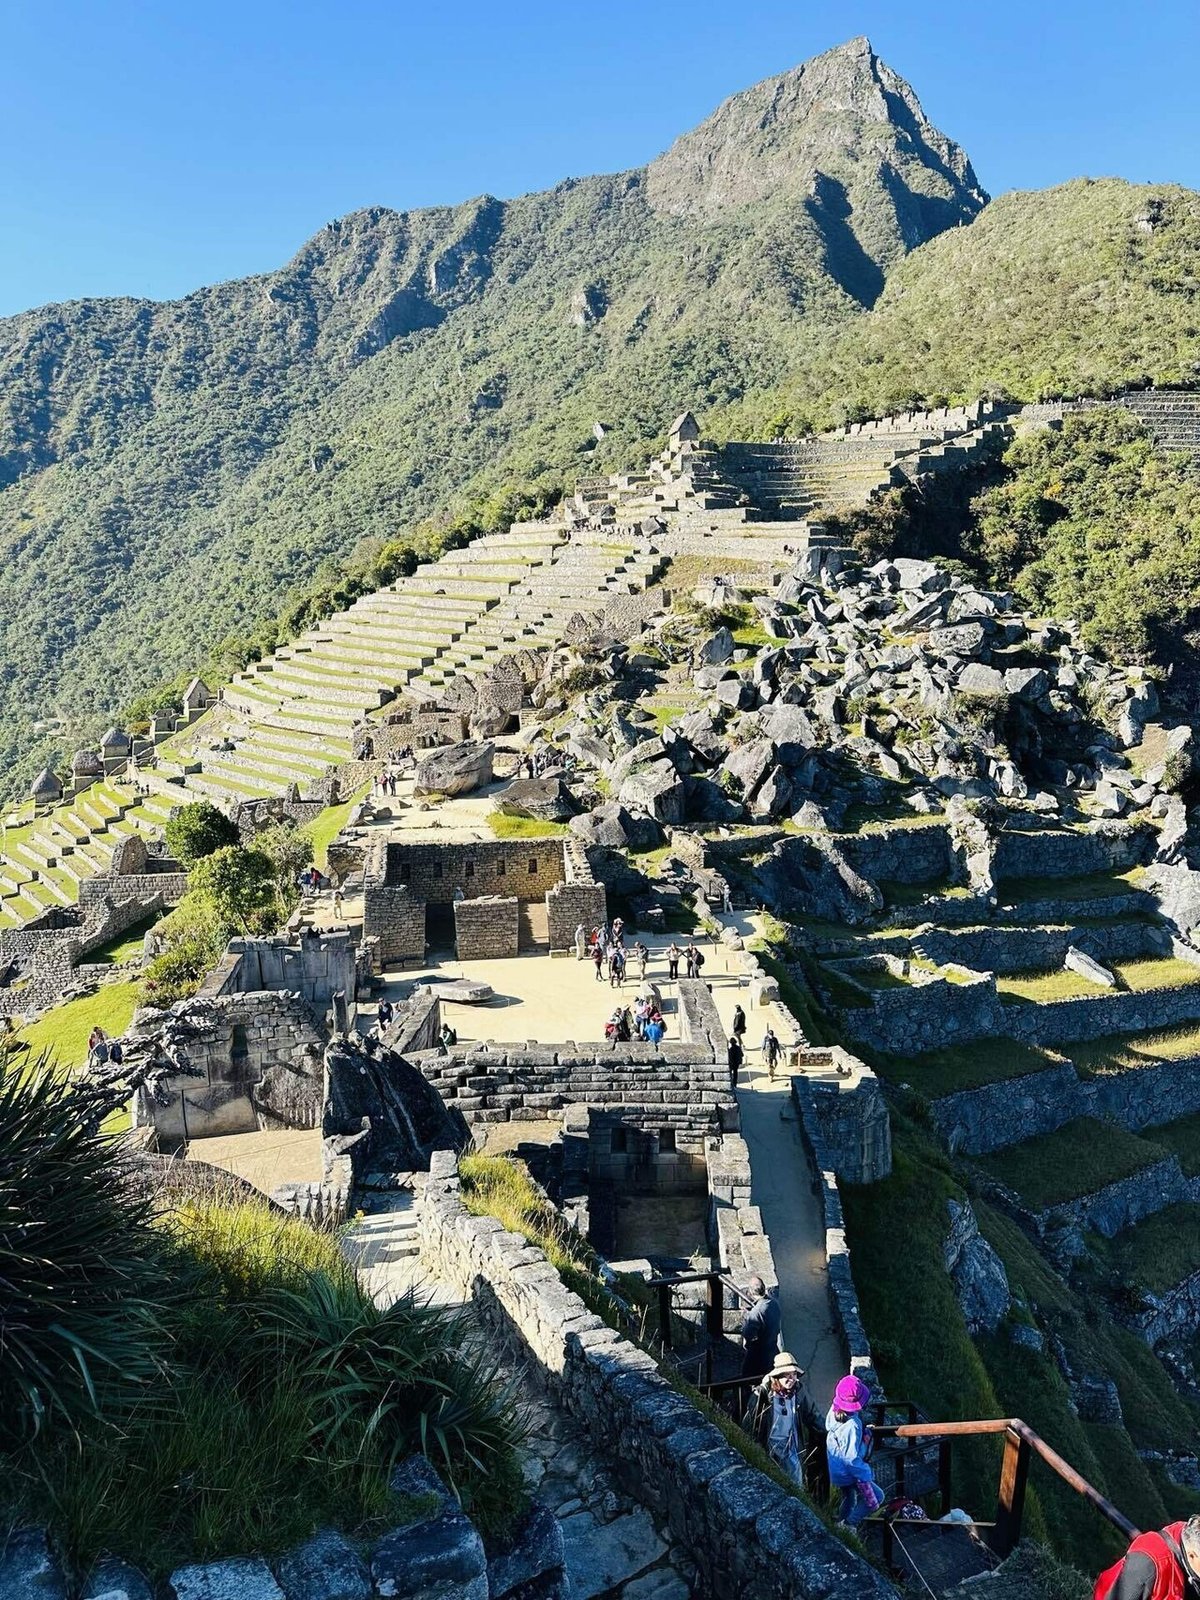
[(81, 1271), (398, 1378)]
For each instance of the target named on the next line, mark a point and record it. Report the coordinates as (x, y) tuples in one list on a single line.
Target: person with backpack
[(739, 1025), (771, 1051), (1163, 1565), (847, 1445)]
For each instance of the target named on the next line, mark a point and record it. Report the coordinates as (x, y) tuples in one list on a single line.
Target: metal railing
[(716, 1285)]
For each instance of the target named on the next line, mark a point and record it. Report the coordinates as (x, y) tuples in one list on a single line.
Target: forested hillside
[(168, 470)]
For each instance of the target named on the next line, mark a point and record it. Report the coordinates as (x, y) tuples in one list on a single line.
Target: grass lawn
[(911, 894), (885, 816), (1095, 886), (1077, 1159), (62, 1034), (506, 827), (1151, 973), (1158, 1253), (965, 1066), (1125, 1052), (1183, 1138), (128, 946), (666, 716), (1058, 984), (875, 978), (324, 829)]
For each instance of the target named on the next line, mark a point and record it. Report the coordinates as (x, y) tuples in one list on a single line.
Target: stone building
[(487, 899)]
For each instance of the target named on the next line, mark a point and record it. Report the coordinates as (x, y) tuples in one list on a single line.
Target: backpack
[(699, 960), (1171, 1580), (115, 1053)]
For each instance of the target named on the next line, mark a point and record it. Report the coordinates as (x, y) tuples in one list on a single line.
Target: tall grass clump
[(187, 1378)]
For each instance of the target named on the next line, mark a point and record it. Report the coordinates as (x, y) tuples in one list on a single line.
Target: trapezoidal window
[(533, 866)]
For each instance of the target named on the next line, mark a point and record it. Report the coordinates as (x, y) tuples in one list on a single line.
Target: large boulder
[(657, 789), (976, 1271), (407, 1117), (455, 769), (546, 799), (716, 648)]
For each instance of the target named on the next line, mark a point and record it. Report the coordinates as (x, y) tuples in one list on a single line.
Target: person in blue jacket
[(846, 1447)]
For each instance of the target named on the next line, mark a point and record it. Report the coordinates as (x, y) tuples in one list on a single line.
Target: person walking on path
[(739, 1024), (1163, 1565), (771, 1051), (338, 904), (643, 956), (598, 960), (673, 954), (616, 967), (736, 1057), (580, 941), (848, 1449), (782, 1420), (760, 1331)]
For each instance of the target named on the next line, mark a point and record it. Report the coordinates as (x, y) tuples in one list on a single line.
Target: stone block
[(241, 1578), (443, 1554), (533, 1566), (116, 1580), (28, 1568), (600, 1557), (326, 1567)]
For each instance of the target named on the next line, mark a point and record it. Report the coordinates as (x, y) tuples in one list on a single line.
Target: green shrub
[(196, 830)]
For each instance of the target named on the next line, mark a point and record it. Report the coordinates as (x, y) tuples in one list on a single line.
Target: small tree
[(290, 851), (239, 885), (196, 830)]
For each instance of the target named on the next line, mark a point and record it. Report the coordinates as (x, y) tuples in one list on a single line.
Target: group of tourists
[(389, 780), (772, 1050), (644, 1021), (816, 1450), (101, 1049)]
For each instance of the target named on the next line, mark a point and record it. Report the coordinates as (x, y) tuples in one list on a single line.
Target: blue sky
[(154, 147)]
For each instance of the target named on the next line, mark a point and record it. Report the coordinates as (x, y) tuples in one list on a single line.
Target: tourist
[(384, 1014), (616, 967), (643, 957), (655, 1028), (641, 1015), (771, 1050), (338, 904), (760, 1331), (726, 899), (848, 1446), (598, 960), (739, 1023), (689, 959), (1163, 1565), (447, 1036), (580, 941), (97, 1047), (618, 929), (783, 1421), (736, 1056), (673, 954)]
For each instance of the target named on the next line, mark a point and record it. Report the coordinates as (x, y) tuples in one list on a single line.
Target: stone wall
[(316, 967), (254, 1060), (1001, 949), (487, 929), (843, 1296), (526, 868), (747, 1535), (1107, 1211), (735, 1226), (900, 855), (1172, 1315), (416, 1025), (997, 1115), (1053, 854), (578, 898)]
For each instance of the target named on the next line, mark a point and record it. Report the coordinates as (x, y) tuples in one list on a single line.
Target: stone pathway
[(614, 1547)]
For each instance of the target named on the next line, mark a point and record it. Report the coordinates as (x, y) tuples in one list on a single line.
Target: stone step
[(245, 775), (164, 789), (251, 762), (292, 718)]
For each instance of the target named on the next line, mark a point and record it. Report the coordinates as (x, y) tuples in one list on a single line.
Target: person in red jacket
[(1157, 1566)]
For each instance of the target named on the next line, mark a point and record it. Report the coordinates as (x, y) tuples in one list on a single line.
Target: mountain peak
[(843, 119)]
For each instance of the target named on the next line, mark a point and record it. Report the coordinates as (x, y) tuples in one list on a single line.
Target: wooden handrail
[(1020, 1443)]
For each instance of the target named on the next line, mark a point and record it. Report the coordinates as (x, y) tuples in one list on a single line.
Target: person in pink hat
[(846, 1447)]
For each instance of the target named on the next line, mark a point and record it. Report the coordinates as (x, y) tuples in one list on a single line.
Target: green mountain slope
[(167, 470), (1080, 289)]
